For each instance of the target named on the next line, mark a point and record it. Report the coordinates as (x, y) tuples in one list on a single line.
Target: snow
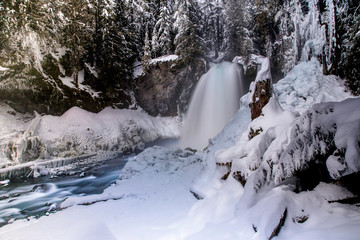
[(138, 69), (78, 132), (69, 81), (2, 69), (154, 197), (306, 85), (12, 125), (166, 58)]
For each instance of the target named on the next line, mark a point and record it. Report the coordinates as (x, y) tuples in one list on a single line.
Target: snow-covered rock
[(306, 85)]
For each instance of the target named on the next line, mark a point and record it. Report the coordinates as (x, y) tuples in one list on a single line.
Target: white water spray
[(213, 104)]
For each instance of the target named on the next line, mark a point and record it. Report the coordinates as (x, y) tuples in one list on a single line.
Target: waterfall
[(214, 102)]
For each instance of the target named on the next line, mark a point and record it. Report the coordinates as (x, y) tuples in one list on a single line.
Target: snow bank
[(78, 132)]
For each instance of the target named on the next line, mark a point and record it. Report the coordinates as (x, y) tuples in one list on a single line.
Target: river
[(36, 197)]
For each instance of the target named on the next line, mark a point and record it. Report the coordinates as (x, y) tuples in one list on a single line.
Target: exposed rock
[(260, 97), (166, 87), (261, 88), (280, 225), (26, 89)]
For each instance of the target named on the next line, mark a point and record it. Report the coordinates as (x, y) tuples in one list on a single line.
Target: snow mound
[(285, 143), (79, 132), (163, 161), (273, 130)]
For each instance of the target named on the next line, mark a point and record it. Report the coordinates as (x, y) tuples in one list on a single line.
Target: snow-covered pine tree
[(162, 34), (118, 49), (212, 26), (237, 36), (3, 38), (143, 15), (189, 43), (347, 51), (147, 51), (75, 36), (261, 15)]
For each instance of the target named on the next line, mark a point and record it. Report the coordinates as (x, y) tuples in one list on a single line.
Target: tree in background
[(3, 38), (237, 39), (162, 37), (189, 43), (213, 26), (118, 48), (143, 15), (76, 36)]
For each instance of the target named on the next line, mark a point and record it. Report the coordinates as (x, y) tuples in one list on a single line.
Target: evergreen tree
[(237, 35), (118, 49), (143, 16), (76, 36), (188, 41), (147, 52), (212, 25), (264, 33), (162, 33), (3, 38)]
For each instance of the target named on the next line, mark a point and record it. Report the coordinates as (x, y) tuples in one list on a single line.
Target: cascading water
[(214, 102)]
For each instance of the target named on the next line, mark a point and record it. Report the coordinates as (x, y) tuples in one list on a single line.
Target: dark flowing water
[(43, 195)]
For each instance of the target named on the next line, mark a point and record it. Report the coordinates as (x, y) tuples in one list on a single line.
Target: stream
[(36, 197)]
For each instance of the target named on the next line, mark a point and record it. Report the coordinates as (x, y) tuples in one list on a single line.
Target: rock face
[(261, 96), (257, 68), (26, 89), (166, 87)]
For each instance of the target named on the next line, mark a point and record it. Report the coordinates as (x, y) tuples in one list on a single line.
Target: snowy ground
[(152, 198)]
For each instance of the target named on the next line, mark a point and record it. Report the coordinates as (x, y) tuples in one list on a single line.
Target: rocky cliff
[(166, 85)]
